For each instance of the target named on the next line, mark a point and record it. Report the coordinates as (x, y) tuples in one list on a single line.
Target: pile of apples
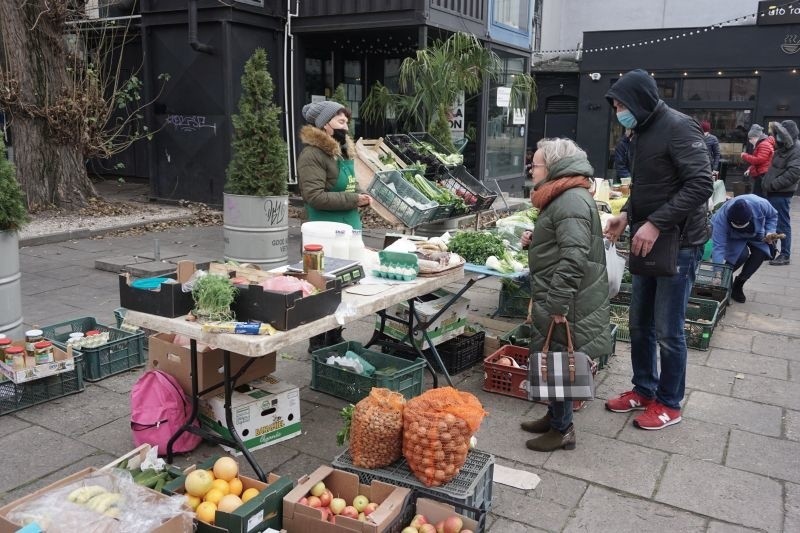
[(217, 489), (420, 524), (320, 497)]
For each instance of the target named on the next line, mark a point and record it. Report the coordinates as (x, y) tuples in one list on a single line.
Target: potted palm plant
[(13, 215), (256, 201)]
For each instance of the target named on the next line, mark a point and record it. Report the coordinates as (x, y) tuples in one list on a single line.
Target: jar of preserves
[(17, 354), (313, 257), (43, 352), (5, 342), (32, 336)]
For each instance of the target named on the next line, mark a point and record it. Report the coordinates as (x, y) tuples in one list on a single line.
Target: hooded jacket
[(784, 172), (729, 242), (318, 171), (761, 157), (568, 268), (670, 168)]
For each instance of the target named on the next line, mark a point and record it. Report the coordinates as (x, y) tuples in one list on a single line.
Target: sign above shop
[(791, 44), (775, 12)]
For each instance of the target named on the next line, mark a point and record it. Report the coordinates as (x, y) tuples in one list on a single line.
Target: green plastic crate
[(393, 192), (123, 351), (701, 318), (14, 397), (514, 298), (393, 373), (619, 318)]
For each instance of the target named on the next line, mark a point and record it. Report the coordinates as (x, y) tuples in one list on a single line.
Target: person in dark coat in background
[(621, 164), (670, 188), (758, 156), (712, 143), (780, 182)]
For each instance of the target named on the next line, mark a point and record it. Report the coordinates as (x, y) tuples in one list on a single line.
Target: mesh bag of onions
[(437, 427), (376, 429)]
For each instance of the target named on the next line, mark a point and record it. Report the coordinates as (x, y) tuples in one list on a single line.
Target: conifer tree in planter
[(256, 201), (13, 215)]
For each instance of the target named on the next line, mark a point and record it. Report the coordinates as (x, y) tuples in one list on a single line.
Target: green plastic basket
[(619, 318), (701, 318), (14, 397), (123, 351), (514, 299), (393, 373), (405, 202)]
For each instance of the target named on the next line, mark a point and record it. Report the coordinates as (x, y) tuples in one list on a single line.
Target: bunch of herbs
[(213, 295)]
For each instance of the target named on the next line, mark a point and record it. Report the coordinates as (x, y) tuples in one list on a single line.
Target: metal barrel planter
[(10, 286), (256, 229)]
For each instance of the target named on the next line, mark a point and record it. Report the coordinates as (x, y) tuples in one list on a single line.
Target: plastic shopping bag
[(615, 264)]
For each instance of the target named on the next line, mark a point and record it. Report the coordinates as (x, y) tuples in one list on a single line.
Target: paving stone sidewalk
[(732, 465)]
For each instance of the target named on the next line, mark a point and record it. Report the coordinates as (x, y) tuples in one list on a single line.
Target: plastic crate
[(514, 299), (624, 294), (521, 335), (392, 191), (14, 397), (411, 510), (619, 318), (119, 316), (393, 373), (701, 317), (460, 182), (471, 488), (405, 147), (443, 211), (507, 380), (123, 351), (604, 360), (710, 274), (463, 352)]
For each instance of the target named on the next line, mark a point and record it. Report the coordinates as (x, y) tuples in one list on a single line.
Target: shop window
[(505, 127), (512, 13), (353, 89), (315, 84), (667, 88), (720, 89)]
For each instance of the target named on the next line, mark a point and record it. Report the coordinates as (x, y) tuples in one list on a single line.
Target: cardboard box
[(62, 362), (168, 300), (177, 361), (283, 311), (266, 414), (177, 524), (434, 512), (260, 514), (304, 519), (449, 325)]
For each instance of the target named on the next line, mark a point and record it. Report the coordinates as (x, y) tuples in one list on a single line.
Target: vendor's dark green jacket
[(318, 171), (568, 268)]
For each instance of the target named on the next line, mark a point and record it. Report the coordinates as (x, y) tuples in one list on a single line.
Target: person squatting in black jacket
[(671, 184)]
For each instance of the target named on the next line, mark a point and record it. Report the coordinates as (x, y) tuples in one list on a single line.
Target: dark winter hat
[(706, 125), (755, 131), (739, 214), (320, 113)]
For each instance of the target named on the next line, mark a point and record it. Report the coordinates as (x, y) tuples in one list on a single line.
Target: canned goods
[(313, 257), (32, 336), (17, 354), (43, 352)]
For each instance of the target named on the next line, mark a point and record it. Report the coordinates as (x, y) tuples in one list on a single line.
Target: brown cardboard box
[(303, 519), (177, 524), (434, 512), (177, 361)]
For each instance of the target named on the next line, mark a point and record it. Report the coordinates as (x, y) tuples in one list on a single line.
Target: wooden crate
[(367, 163)]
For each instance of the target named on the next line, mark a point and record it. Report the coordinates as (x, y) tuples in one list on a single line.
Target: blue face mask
[(627, 119)]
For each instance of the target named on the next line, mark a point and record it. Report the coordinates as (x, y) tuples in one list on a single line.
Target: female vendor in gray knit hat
[(326, 172)]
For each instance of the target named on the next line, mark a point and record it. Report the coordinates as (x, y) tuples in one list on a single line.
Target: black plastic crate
[(514, 298), (169, 300), (14, 397), (458, 354), (475, 194), (470, 489), (406, 148), (123, 351)]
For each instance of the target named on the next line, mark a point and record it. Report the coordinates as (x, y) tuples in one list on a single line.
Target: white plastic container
[(356, 246), (324, 233)]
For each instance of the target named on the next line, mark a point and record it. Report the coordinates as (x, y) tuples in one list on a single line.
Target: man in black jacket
[(671, 184)]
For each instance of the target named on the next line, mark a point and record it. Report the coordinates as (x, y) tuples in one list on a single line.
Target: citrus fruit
[(222, 485), (198, 482), (193, 501), (213, 496), (249, 494), (229, 503), (226, 468), (235, 486), (206, 512)]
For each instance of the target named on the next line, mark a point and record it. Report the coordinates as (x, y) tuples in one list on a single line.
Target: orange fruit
[(249, 494), (229, 503), (222, 485), (193, 501), (226, 468), (207, 512), (214, 496), (235, 486)]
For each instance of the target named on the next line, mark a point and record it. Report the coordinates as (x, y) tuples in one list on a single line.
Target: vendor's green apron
[(346, 182)]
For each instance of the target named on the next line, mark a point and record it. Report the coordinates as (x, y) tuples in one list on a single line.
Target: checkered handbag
[(560, 376)]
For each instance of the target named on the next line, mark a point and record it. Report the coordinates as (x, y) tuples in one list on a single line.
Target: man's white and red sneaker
[(657, 416), (628, 401)]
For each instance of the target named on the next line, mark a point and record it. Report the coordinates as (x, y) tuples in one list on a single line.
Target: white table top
[(258, 345)]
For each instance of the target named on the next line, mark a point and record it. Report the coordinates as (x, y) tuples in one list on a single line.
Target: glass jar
[(32, 336), (313, 257), (43, 352), (4, 344), (17, 354)]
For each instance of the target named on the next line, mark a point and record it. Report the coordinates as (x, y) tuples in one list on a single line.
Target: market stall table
[(259, 345)]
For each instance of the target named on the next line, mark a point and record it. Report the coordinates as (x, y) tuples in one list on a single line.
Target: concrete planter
[(10, 286), (256, 229)]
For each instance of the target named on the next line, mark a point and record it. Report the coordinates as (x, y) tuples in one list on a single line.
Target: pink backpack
[(159, 408)]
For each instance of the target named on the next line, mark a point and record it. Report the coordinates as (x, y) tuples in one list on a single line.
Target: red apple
[(350, 512), (453, 524), (313, 501), (303, 501), (325, 513), (326, 497), (370, 508), (360, 502), (418, 521), (337, 505), (317, 489)]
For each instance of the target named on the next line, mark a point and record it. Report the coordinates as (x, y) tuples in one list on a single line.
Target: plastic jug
[(356, 246), (324, 233), (602, 190)]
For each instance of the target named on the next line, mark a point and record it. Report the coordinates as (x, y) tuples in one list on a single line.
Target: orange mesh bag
[(376, 429), (437, 427)]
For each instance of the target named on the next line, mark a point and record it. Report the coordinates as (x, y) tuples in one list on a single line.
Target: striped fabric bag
[(560, 376)]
